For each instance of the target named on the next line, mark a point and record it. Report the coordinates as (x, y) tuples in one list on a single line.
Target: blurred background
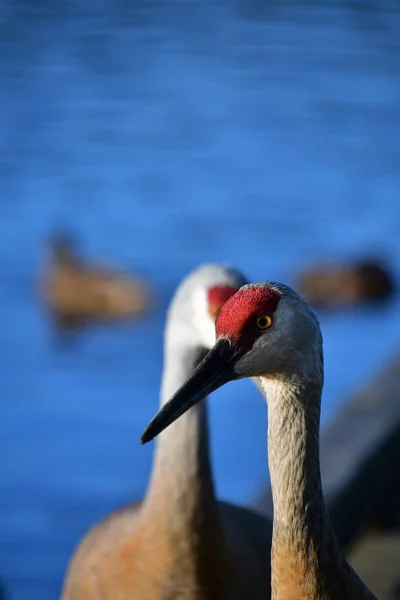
[(165, 134)]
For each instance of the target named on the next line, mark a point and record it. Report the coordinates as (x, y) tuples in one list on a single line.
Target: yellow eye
[(264, 321)]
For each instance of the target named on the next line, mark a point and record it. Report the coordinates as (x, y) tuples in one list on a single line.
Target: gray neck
[(181, 480), (306, 561)]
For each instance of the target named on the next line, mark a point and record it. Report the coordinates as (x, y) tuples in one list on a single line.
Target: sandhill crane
[(181, 543), (76, 292), (266, 330)]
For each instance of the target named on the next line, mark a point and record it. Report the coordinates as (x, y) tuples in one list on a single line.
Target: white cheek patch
[(205, 324), (200, 304)]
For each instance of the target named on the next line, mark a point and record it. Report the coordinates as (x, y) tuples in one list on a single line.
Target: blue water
[(166, 134)]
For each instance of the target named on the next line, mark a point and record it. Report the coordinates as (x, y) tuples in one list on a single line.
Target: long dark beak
[(216, 369)]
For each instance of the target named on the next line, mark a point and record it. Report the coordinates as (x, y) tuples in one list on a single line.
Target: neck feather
[(306, 560), (181, 482)]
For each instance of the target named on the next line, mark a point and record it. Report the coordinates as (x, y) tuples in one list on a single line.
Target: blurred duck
[(335, 286), (180, 542), (76, 293)]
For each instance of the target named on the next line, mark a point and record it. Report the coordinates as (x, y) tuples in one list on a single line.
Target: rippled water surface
[(167, 134)]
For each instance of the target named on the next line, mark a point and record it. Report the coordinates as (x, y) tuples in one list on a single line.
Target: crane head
[(263, 330), (197, 301)]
